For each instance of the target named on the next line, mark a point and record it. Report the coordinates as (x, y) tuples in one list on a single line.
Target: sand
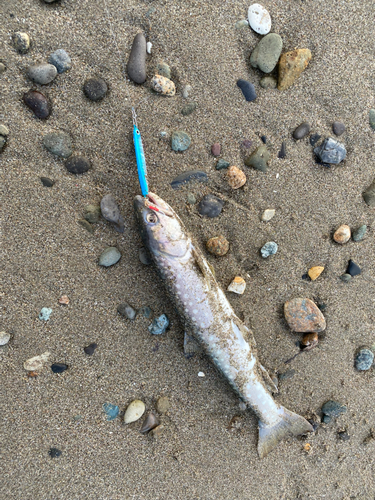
[(46, 254)]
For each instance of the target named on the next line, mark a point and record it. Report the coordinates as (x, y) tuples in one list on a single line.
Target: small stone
[(191, 346), (144, 256), (4, 338), (163, 69), (95, 88), (248, 90), (159, 325), (201, 374), (338, 128), (309, 341), (359, 233), (145, 311), (54, 452), (189, 108), (134, 411), (58, 143), (282, 153), (235, 177), (331, 151), (342, 234), (21, 42), (269, 248), (372, 118), (38, 103), (267, 53), (258, 159), (77, 164), (109, 257), (59, 367), (158, 431), (345, 278), (86, 225), (268, 82), (61, 60), (137, 60), (218, 245), (92, 213), (163, 85), (148, 47), (221, 164), (343, 435), (47, 182), (314, 138), (4, 130), (238, 285), (2, 68), (90, 349), (36, 363), (263, 138), (64, 300), (42, 73), (191, 199), (3, 141), (185, 177), (259, 19), (369, 195), (150, 422), (291, 65), (353, 268), (216, 149), (333, 409), (180, 141), (287, 375), (315, 272), (326, 419), (186, 91), (45, 313), (302, 315), (111, 411), (210, 206), (126, 310), (364, 359), (162, 405), (247, 144), (111, 212), (301, 131), (268, 214), (243, 23)]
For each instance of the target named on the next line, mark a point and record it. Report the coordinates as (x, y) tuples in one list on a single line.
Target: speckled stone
[(359, 233), (218, 245), (92, 213), (189, 108), (162, 405), (159, 325), (267, 53), (342, 234), (258, 159), (21, 42), (61, 60), (58, 143), (259, 19), (191, 199), (95, 89), (109, 257), (38, 103), (302, 315), (163, 85), (180, 141), (291, 65), (137, 60), (364, 359), (42, 73), (210, 206), (77, 164), (269, 248)]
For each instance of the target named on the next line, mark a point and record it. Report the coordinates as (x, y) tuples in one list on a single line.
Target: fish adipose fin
[(290, 424)]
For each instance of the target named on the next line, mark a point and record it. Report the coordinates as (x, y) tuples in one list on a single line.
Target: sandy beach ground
[(45, 253)]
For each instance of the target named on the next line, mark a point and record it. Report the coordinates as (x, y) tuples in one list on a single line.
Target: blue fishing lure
[(140, 156)]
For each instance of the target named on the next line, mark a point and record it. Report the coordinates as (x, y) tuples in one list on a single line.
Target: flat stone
[(38, 103), (291, 65), (59, 367), (221, 164), (185, 177), (180, 141), (302, 315), (314, 138), (163, 85), (371, 117), (259, 19), (331, 151), (4, 338), (126, 310), (109, 257), (159, 325), (301, 131), (42, 73), (61, 60), (268, 82), (248, 90), (369, 195), (92, 213), (162, 405), (364, 359), (47, 182), (258, 159), (216, 149), (243, 23), (282, 153), (21, 42), (134, 411), (218, 245), (359, 233), (45, 313), (58, 143), (353, 268), (268, 214), (333, 409), (189, 108), (77, 164), (210, 206), (137, 60), (95, 88), (338, 128), (111, 212), (267, 53), (269, 248), (111, 411), (36, 363), (86, 225), (4, 130), (163, 69), (90, 349)]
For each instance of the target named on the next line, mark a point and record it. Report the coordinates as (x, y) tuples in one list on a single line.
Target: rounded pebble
[(45, 313), (369, 195), (180, 141), (38, 103), (269, 248), (342, 234), (301, 131), (185, 177), (235, 177), (248, 90), (95, 88), (338, 128), (59, 367), (333, 409), (315, 272), (109, 257), (134, 411), (126, 310), (77, 164), (4, 130), (238, 285), (37, 362), (47, 182), (163, 69), (243, 23), (331, 151), (54, 452), (111, 411), (144, 256), (163, 85), (218, 245), (353, 268), (189, 108), (216, 149), (111, 212), (150, 422), (268, 82), (186, 91), (222, 164), (4, 338), (267, 53), (210, 206), (136, 67), (58, 143), (258, 159), (159, 325), (90, 349), (21, 42), (364, 359), (42, 73), (162, 405), (61, 60), (92, 213), (268, 214), (359, 233), (302, 315), (345, 277), (259, 19)]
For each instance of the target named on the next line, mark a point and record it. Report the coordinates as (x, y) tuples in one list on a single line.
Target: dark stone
[(258, 159), (38, 103), (189, 108), (359, 233), (149, 423), (331, 151), (369, 195), (137, 60), (54, 453), (210, 206), (322, 163), (338, 128), (78, 165), (322, 306), (343, 435), (353, 268), (47, 182), (180, 141), (111, 212), (333, 409), (221, 164), (264, 139), (59, 367), (301, 131), (185, 177), (248, 90), (90, 349), (314, 139), (126, 310), (305, 276), (282, 152), (95, 89)]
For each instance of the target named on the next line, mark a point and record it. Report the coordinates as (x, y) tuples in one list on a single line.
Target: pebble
[(282, 153), (137, 60), (364, 359), (4, 130), (163, 405), (263, 138), (221, 164), (189, 108), (58, 143), (210, 206), (111, 411), (243, 23), (145, 311), (95, 88), (359, 233), (77, 164), (42, 73), (218, 245), (268, 214), (333, 409), (180, 141), (148, 47), (315, 272), (301, 131), (37, 362), (134, 411), (353, 268), (159, 325), (163, 85), (216, 149), (314, 138), (158, 431), (47, 182), (342, 234), (4, 338), (345, 278), (3, 141), (144, 256), (2, 68), (291, 65), (109, 257), (309, 341), (331, 151), (92, 213), (248, 90), (191, 199), (86, 225), (59, 367), (338, 128), (163, 69), (201, 374), (287, 375), (186, 91), (268, 82), (61, 60), (126, 310), (258, 159), (269, 248), (247, 144), (238, 285), (185, 177), (369, 195), (302, 315), (371, 116), (267, 53), (45, 313), (343, 435), (90, 349), (54, 452), (259, 19), (150, 422), (21, 42), (111, 212), (38, 103), (235, 177)]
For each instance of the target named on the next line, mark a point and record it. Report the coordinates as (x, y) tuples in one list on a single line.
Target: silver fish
[(209, 317)]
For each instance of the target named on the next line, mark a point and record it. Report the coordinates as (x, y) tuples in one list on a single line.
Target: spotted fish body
[(209, 318)]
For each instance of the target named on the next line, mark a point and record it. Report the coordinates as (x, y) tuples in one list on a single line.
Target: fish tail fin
[(290, 424)]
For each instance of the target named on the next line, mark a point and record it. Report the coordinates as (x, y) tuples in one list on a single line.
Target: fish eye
[(152, 218)]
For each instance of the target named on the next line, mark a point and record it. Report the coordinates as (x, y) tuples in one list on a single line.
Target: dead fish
[(209, 318)]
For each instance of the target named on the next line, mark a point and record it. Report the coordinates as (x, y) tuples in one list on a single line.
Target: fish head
[(161, 228)]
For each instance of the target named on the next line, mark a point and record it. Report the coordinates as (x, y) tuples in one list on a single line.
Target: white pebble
[(268, 214), (148, 47), (37, 362), (4, 338), (259, 19), (201, 374), (238, 285), (134, 411)]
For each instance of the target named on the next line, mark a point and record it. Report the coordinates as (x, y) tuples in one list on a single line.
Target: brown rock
[(150, 422), (309, 341), (64, 299), (218, 245), (236, 178), (342, 234), (38, 103), (162, 404), (315, 272), (291, 65), (303, 315)]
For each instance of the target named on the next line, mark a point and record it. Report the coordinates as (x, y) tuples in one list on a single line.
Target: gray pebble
[(59, 143), (92, 213), (359, 233), (61, 60), (109, 257), (47, 182), (77, 164), (301, 131), (185, 177), (191, 199), (258, 159), (189, 108), (4, 130), (163, 69), (146, 312), (21, 42), (371, 117), (345, 278), (86, 225), (331, 151), (268, 82), (95, 88), (270, 248), (2, 68), (243, 23), (338, 128), (210, 206), (221, 164), (111, 212), (364, 359), (287, 375), (333, 409), (369, 195), (3, 141), (144, 256), (137, 60), (326, 419), (186, 91), (126, 310), (42, 73), (267, 53), (180, 141), (4, 338)]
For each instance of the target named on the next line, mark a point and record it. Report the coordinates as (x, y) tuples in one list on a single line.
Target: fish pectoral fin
[(191, 345), (270, 384)]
